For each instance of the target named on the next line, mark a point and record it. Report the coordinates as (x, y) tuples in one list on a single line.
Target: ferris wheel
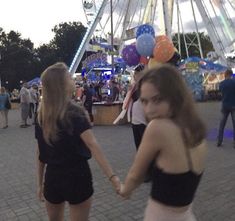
[(166, 16)]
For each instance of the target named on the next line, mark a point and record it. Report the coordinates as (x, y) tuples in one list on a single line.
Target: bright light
[(76, 74), (107, 72)]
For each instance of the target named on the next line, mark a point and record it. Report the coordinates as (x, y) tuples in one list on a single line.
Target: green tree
[(46, 55), (17, 59), (21, 61), (192, 42), (68, 37)]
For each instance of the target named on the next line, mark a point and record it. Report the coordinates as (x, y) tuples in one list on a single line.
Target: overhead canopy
[(203, 64), (36, 81)]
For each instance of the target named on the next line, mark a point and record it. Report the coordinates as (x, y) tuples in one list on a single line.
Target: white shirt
[(24, 95), (138, 116)]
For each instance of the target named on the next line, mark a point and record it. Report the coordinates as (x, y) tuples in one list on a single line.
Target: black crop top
[(174, 189)]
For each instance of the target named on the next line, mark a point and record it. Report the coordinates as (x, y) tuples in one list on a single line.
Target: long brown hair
[(56, 95), (172, 88)]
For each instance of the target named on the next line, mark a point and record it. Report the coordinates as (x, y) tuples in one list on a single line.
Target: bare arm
[(91, 142), (83, 98), (40, 175), (147, 152)]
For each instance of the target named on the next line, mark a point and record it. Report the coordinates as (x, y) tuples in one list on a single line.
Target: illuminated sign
[(95, 59), (192, 66)]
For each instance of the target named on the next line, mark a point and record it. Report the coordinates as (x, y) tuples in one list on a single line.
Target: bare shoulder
[(163, 125), (163, 129)]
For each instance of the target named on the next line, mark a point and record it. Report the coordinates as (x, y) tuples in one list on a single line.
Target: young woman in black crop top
[(175, 140), (65, 143)]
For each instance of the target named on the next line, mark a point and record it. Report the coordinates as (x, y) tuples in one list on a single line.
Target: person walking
[(88, 102), (227, 89), (34, 98), (138, 120), (24, 104), (4, 108), (175, 140), (114, 91), (65, 144)]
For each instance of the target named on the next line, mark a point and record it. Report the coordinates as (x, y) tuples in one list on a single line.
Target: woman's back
[(178, 169), (173, 155)]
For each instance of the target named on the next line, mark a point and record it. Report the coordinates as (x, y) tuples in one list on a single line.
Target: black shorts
[(73, 185)]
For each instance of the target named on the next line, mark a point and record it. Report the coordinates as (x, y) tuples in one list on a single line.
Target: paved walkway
[(215, 199)]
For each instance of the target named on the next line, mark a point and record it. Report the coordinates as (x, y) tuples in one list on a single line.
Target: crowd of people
[(169, 135), (28, 97)]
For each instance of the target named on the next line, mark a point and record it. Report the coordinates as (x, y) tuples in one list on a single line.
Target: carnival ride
[(140, 31), (167, 18)]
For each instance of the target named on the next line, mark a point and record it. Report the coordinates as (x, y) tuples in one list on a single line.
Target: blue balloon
[(145, 29), (145, 45)]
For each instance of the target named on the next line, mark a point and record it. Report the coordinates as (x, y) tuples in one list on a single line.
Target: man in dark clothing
[(87, 102), (227, 88), (114, 91)]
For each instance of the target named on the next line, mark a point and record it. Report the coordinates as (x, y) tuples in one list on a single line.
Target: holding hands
[(123, 193), (119, 187), (116, 183)]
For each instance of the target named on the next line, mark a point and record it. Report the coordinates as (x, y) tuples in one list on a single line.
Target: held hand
[(123, 193), (116, 183), (40, 194)]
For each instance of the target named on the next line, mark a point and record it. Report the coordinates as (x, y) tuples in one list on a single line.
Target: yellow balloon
[(153, 63)]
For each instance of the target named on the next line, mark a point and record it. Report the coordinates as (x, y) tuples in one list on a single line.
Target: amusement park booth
[(202, 77), (97, 69)]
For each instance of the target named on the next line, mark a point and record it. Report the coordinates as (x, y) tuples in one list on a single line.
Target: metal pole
[(112, 57), (181, 22), (197, 31), (178, 24)]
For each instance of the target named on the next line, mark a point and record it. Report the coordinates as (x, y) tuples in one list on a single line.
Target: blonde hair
[(56, 94)]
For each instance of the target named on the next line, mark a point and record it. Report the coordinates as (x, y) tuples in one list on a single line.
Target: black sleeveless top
[(175, 189)]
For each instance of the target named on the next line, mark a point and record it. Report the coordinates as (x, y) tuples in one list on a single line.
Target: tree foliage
[(17, 59), (68, 37), (192, 44), (21, 61)]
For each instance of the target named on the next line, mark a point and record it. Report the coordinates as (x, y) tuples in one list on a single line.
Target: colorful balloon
[(130, 55), (163, 51), (145, 45), (144, 60), (152, 63), (161, 37), (145, 29)]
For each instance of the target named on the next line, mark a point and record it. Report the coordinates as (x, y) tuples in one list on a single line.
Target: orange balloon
[(161, 38), (144, 60), (163, 51)]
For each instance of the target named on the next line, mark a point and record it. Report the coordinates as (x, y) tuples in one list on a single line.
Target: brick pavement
[(215, 199)]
